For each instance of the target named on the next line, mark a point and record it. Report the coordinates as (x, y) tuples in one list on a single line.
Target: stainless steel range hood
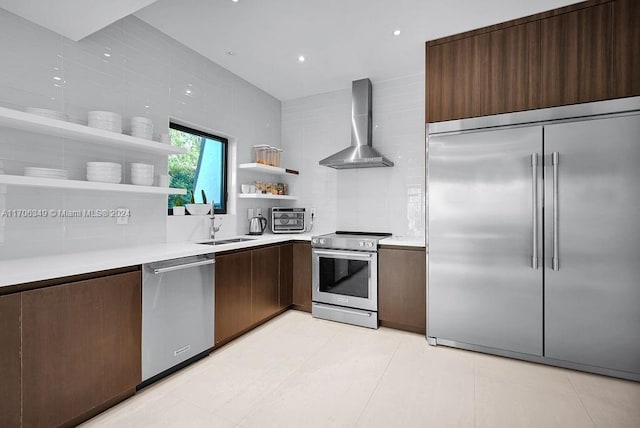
[(360, 154)]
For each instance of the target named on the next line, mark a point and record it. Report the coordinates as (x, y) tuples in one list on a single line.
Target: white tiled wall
[(369, 199), (131, 68)]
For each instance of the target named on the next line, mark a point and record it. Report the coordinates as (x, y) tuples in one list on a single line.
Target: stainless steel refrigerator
[(534, 235)]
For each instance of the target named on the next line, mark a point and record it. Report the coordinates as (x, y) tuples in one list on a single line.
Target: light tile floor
[(297, 371)]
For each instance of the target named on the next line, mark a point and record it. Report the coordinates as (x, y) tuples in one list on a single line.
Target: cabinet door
[(489, 73), (626, 47), (81, 346), (122, 334), (10, 389), (232, 295), (265, 282), (286, 276), (402, 286), (302, 276), (576, 56)]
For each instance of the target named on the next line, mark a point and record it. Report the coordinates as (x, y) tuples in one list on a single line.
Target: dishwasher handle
[(157, 271)]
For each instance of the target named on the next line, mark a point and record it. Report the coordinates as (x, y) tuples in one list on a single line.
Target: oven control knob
[(314, 241), (322, 241), (370, 244), (361, 243)]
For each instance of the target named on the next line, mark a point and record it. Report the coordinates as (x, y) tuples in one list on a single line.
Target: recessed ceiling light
[(396, 32), (107, 54), (231, 53), (301, 58), (235, 1), (57, 78)]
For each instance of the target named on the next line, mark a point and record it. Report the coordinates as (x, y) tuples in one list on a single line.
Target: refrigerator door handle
[(555, 261), (534, 210)]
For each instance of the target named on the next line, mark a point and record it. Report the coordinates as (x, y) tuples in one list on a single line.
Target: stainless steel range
[(345, 277)]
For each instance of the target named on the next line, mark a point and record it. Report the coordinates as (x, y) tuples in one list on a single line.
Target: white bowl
[(111, 164), (142, 181), (104, 115), (114, 180), (198, 209)]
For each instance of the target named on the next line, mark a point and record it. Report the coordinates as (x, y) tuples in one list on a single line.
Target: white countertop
[(30, 269), (19, 271), (404, 241)]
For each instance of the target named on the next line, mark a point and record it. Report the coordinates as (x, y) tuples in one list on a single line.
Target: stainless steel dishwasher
[(177, 312)]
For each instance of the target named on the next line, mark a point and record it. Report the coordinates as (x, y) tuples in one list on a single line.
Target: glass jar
[(260, 153)]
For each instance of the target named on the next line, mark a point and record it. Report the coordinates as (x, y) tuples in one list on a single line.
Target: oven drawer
[(347, 315)]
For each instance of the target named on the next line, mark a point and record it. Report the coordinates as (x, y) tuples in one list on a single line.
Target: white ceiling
[(342, 40), (75, 19)]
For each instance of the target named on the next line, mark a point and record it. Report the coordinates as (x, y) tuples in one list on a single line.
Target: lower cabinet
[(81, 345), (251, 287), (265, 283), (302, 276), (232, 294), (286, 276), (10, 382), (402, 287)]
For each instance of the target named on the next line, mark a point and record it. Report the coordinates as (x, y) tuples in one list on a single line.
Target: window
[(203, 167)]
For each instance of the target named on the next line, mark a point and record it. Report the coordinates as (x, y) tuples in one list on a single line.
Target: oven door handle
[(344, 254)]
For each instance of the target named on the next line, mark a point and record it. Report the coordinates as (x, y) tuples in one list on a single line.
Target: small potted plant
[(198, 209), (178, 207)]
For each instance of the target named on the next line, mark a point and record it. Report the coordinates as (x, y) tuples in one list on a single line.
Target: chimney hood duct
[(360, 154)]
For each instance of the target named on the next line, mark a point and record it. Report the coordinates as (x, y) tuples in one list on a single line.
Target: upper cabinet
[(585, 52), (576, 57), (488, 73), (626, 48)]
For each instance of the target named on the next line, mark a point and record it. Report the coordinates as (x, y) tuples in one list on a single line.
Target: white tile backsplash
[(379, 199), (145, 73)]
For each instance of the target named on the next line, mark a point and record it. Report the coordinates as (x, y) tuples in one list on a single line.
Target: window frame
[(225, 160)]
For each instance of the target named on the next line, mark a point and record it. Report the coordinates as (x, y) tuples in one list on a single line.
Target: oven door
[(345, 278)]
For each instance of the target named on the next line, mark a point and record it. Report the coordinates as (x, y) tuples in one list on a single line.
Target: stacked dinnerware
[(104, 172), (44, 112), (142, 174), (59, 174), (141, 127), (106, 120)]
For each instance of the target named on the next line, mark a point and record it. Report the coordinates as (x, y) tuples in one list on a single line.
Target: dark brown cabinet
[(489, 73), (588, 51), (302, 276), (265, 283), (11, 382), (402, 285), (232, 295), (286, 276), (81, 347), (626, 48), (575, 63)]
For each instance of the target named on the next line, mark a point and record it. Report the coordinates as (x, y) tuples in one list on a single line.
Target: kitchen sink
[(226, 241)]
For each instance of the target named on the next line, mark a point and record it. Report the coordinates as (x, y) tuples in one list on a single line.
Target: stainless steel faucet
[(213, 229)]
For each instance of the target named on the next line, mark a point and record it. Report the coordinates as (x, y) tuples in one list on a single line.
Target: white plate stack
[(59, 174), (107, 120), (141, 127), (142, 174), (104, 172), (44, 112)]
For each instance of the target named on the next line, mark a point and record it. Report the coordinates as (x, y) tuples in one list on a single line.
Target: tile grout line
[(378, 382), (581, 402)]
